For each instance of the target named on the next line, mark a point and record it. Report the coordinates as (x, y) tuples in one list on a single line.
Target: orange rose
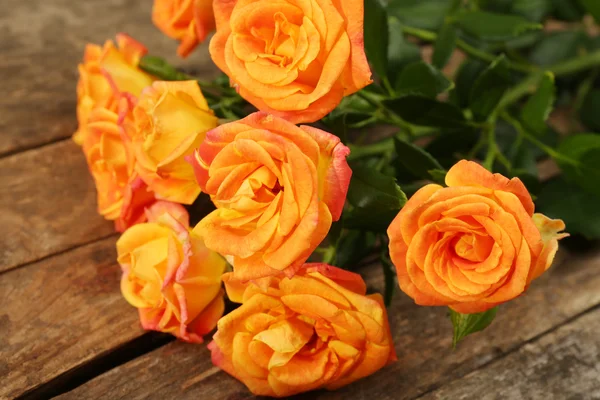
[(277, 187), (315, 330), (188, 21), (472, 245), (293, 59), (168, 274), (171, 120), (107, 72), (121, 194)]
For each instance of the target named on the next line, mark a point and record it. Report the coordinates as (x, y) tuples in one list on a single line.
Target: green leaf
[(497, 6), (424, 79), (424, 111), (449, 147), (537, 109), (376, 198), (494, 27), (444, 45), (160, 68), (489, 88), (418, 161), (352, 247), (335, 232), (590, 110), (593, 7), (401, 52), (370, 219), (467, 74), (567, 10), (389, 274), (376, 41), (521, 154), (369, 188), (533, 10), (438, 175), (446, 38), (352, 110), (556, 47), (424, 14), (466, 324), (580, 160), (576, 207)]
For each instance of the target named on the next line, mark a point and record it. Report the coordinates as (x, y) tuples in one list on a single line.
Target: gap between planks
[(421, 343), (58, 253), (47, 204), (104, 362), (35, 146)]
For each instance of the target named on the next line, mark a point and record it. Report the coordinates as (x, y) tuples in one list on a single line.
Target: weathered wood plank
[(564, 364), (422, 336), (47, 204), (59, 313), (42, 42)]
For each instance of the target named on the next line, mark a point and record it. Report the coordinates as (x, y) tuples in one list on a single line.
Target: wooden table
[(66, 331)]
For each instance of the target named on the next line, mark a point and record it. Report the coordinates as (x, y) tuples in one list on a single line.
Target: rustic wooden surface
[(563, 364), (65, 330), (422, 338), (42, 41), (59, 313), (47, 204)]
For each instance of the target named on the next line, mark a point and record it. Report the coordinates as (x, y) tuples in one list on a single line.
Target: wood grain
[(59, 313), (41, 44), (422, 336), (561, 365), (47, 204)]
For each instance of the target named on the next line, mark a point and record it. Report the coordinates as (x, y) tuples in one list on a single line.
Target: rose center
[(473, 247), (147, 290), (279, 40), (277, 188), (314, 344), (262, 185)]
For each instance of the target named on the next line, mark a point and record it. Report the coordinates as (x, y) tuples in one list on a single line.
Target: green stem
[(389, 116), (526, 86), (584, 88), (581, 63), (381, 147), (388, 274), (162, 69), (530, 83), (480, 142), (329, 255), (430, 36), (492, 151), (503, 160), (384, 160), (535, 141), (387, 85)]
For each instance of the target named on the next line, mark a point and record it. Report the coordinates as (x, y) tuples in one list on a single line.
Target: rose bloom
[(472, 245), (170, 276), (277, 188), (293, 59), (106, 73), (189, 21), (315, 330), (171, 120), (121, 195)]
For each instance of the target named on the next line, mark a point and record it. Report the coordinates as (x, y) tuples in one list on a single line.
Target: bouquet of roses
[(332, 136)]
